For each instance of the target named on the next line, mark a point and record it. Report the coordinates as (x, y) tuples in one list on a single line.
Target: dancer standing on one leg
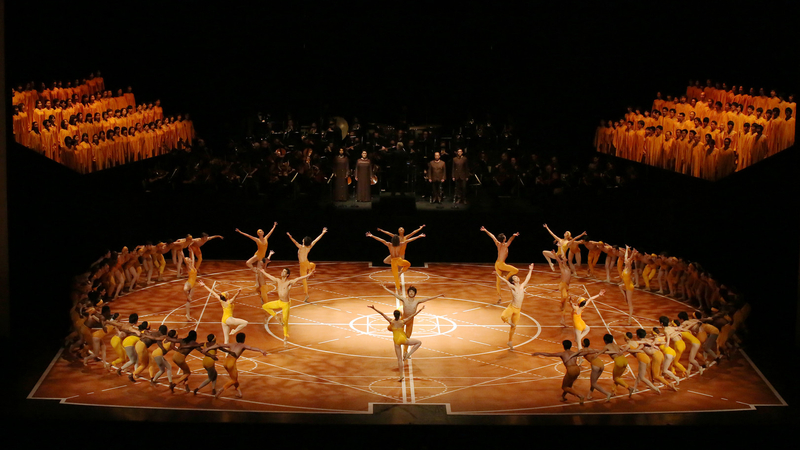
[(234, 351), (399, 336), (511, 313), (188, 286), (177, 249), (227, 321), (399, 265), (282, 286), (562, 244), (626, 287), (194, 248), (306, 267), (500, 265), (581, 329), (563, 286), (261, 242), (572, 370), (597, 365)]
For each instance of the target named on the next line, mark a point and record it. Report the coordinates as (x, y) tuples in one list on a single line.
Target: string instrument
[(373, 180)]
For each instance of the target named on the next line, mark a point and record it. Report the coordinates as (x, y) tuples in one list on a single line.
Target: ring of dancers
[(512, 312), (399, 337), (562, 245), (282, 286), (399, 265), (572, 369), (306, 267), (262, 243), (227, 321), (581, 329), (500, 265)]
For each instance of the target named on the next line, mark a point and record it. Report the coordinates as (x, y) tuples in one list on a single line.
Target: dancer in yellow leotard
[(158, 258), (627, 283), (650, 269), (669, 356), (617, 355), (261, 252), (234, 351), (182, 350), (687, 327), (580, 327), (562, 245), (643, 360), (657, 357), (159, 357), (399, 336), (501, 269), (674, 338), (133, 334), (194, 248), (306, 267), (399, 265), (595, 250), (227, 321), (188, 287)]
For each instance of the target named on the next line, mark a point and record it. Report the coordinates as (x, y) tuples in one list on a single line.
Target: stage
[(340, 359)]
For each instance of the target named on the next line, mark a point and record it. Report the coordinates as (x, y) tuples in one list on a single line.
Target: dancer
[(500, 265), (595, 249), (617, 355), (234, 351), (208, 364), (562, 244), (396, 327), (563, 286), (194, 247), (262, 282), (403, 240), (410, 304), (593, 357), (282, 286), (188, 286), (673, 336), (100, 328), (572, 369), (158, 258), (611, 257), (159, 356), (656, 356), (686, 328), (142, 353), (177, 249), (581, 329), (261, 242), (227, 320), (399, 265), (643, 360), (306, 267), (669, 356), (511, 313), (626, 287), (134, 334), (574, 253), (184, 347)]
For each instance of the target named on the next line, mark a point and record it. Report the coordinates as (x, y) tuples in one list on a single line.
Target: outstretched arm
[(274, 280), (415, 232), (381, 313), (546, 354), (528, 278), (211, 290), (377, 239), (579, 236), (234, 296), (275, 224), (393, 293), (391, 235), (602, 293), (429, 298), (255, 349), (551, 233), (511, 239), (297, 244), (301, 278), (324, 230), (415, 238), (490, 235), (246, 235)]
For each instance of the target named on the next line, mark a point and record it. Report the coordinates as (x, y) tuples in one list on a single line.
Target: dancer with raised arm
[(399, 336), (234, 351), (500, 265), (227, 321), (581, 329), (261, 252), (572, 369), (511, 313), (410, 304), (563, 286), (595, 249), (399, 265), (188, 286), (403, 240), (282, 286), (306, 267), (194, 248), (562, 245)]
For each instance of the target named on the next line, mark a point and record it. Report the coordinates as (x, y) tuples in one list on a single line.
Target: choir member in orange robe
[(158, 111), (731, 135), (190, 126), (619, 138), (669, 122), (745, 147), (35, 139), (760, 148), (696, 155), (598, 137), (630, 141), (679, 150), (668, 152), (129, 97), (709, 160), (726, 160), (787, 133)]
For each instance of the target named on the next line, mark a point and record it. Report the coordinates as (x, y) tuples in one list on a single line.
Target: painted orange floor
[(340, 358)]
